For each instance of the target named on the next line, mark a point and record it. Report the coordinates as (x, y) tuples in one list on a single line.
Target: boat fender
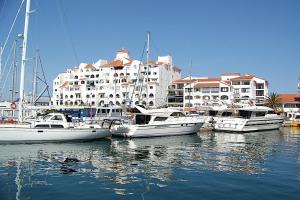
[(13, 105), (220, 125)]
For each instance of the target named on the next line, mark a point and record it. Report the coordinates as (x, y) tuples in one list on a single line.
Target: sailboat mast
[(34, 78), (13, 89), (147, 64), (22, 74)]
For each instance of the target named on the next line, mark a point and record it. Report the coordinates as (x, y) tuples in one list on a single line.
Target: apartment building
[(193, 93), (120, 81)]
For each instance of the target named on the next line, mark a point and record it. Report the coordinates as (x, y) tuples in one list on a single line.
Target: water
[(262, 165)]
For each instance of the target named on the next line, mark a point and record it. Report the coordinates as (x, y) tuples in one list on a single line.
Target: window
[(245, 90), (151, 95), (224, 97), (206, 90), (246, 83), (236, 91), (235, 83), (57, 126), (224, 89), (260, 114), (259, 86), (160, 118), (259, 92), (188, 97), (214, 90)]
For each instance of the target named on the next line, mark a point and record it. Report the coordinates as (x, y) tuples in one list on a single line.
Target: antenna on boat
[(147, 64), (22, 74), (190, 88)]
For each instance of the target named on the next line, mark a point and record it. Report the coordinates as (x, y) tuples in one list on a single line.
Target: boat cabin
[(54, 120)]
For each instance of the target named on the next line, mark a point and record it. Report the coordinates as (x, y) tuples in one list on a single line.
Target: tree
[(273, 101)]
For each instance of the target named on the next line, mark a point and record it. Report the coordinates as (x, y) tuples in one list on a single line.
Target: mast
[(13, 88), (1, 51), (34, 78), (22, 74), (190, 89), (147, 64)]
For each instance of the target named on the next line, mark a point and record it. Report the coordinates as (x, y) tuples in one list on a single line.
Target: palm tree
[(273, 101)]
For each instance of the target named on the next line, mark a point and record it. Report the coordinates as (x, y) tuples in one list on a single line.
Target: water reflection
[(116, 163)]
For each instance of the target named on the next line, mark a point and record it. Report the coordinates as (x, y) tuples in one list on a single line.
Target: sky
[(206, 37)]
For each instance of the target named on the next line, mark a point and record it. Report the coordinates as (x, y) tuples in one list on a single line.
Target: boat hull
[(247, 125), (65, 134), (133, 131)]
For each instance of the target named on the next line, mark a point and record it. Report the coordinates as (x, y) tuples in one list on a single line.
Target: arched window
[(111, 96), (101, 103), (118, 103), (144, 95), (71, 96), (115, 74), (206, 97), (121, 74), (71, 103), (92, 76), (151, 103), (151, 95), (66, 96), (87, 96), (117, 95), (136, 103), (144, 103), (76, 77)]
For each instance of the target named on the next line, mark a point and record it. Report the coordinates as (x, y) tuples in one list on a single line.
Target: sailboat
[(54, 127)]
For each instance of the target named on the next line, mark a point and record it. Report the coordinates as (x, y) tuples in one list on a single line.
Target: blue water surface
[(261, 165)]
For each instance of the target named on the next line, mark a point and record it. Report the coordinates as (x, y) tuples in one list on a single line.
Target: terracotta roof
[(151, 62), (115, 63), (89, 66), (289, 98), (65, 84), (245, 77), (207, 85)]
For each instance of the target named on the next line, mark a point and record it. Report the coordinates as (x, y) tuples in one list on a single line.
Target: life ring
[(13, 105)]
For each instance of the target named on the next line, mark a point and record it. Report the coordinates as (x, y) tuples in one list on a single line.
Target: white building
[(116, 82), (229, 88)]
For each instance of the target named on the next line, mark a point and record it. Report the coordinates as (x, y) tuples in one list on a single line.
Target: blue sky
[(259, 37)]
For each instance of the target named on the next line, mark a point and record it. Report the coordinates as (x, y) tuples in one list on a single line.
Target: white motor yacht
[(157, 122), (247, 119)]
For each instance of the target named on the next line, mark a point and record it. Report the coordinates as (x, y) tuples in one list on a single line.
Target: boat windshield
[(47, 117), (245, 114)]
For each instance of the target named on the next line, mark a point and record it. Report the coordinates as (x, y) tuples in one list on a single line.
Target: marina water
[(260, 165)]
